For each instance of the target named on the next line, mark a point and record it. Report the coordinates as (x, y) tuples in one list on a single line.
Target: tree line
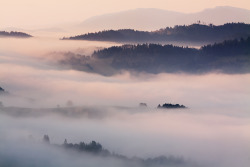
[(14, 34), (230, 56), (191, 33), (96, 149), (170, 106)]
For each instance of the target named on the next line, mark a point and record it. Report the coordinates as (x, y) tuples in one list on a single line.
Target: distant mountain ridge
[(190, 33), (151, 19)]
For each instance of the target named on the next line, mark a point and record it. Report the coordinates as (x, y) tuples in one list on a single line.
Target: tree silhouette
[(194, 32), (46, 139), (14, 34), (230, 56), (171, 106), (1, 89)]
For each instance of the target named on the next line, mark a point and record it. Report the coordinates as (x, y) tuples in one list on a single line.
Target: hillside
[(190, 33), (231, 56)]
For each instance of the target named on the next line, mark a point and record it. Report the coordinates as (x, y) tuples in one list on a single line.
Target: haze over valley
[(131, 85)]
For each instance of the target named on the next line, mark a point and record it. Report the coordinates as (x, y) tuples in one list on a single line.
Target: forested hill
[(191, 33), (232, 56), (96, 150), (14, 34)]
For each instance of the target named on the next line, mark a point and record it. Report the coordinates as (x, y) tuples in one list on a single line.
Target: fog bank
[(47, 99)]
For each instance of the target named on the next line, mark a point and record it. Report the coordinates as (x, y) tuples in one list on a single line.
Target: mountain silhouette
[(151, 19), (191, 33)]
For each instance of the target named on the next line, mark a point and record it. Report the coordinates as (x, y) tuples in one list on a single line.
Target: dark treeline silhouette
[(228, 48), (115, 35), (190, 33), (46, 139), (152, 58), (92, 147), (3, 92), (231, 56), (96, 149), (1, 89), (171, 106), (14, 34)]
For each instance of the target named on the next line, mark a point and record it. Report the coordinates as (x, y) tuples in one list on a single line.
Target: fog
[(213, 131)]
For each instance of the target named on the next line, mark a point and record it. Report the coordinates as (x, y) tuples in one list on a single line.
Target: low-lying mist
[(45, 99), (198, 136)]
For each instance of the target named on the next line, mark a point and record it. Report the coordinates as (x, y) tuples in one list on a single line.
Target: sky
[(45, 13)]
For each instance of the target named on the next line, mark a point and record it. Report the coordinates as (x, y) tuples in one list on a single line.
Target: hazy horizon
[(27, 14)]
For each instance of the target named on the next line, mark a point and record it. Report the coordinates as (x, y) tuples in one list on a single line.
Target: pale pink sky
[(42, 13)]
